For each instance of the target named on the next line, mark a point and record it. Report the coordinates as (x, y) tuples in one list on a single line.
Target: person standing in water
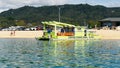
[(85, 32)]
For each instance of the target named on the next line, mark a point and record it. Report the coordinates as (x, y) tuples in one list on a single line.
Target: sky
[(13, 4)]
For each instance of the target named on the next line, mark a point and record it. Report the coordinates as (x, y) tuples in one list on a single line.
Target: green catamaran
[(62, 31)]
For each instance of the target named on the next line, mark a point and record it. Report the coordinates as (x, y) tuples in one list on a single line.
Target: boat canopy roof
[(54, 23)]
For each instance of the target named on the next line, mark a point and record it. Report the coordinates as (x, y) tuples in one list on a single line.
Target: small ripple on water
[(27, 53)]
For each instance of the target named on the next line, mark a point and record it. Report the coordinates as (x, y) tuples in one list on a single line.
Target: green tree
[(4, 22), (93, 24), (20, 23)]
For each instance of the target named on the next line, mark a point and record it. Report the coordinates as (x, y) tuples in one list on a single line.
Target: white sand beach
[(105, 34), (21, 34), (108, 34)]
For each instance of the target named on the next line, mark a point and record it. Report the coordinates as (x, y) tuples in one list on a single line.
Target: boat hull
[(69, 38)]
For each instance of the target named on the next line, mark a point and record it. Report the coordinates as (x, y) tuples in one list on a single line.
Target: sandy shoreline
[(108, 34), (105, 34), (21, 34)]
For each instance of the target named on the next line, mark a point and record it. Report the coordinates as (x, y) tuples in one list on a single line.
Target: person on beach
[(14, 32), (11, 33)]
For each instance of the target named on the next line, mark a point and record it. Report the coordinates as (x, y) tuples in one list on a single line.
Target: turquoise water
[(30, 53)]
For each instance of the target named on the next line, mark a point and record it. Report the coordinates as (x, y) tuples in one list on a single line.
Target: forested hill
[(75, 14)]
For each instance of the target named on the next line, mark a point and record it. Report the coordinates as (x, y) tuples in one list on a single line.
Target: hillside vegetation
[(81, 14)]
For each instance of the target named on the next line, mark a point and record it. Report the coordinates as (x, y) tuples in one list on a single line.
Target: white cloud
[(8, 4), (17, 3)]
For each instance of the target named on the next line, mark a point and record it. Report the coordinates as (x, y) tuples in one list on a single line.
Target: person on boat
[(49, 30), (73, 30), (66, 29), (62, 31), (43, 34)]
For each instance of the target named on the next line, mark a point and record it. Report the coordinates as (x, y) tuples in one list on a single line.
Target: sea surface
[(31, 53)]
